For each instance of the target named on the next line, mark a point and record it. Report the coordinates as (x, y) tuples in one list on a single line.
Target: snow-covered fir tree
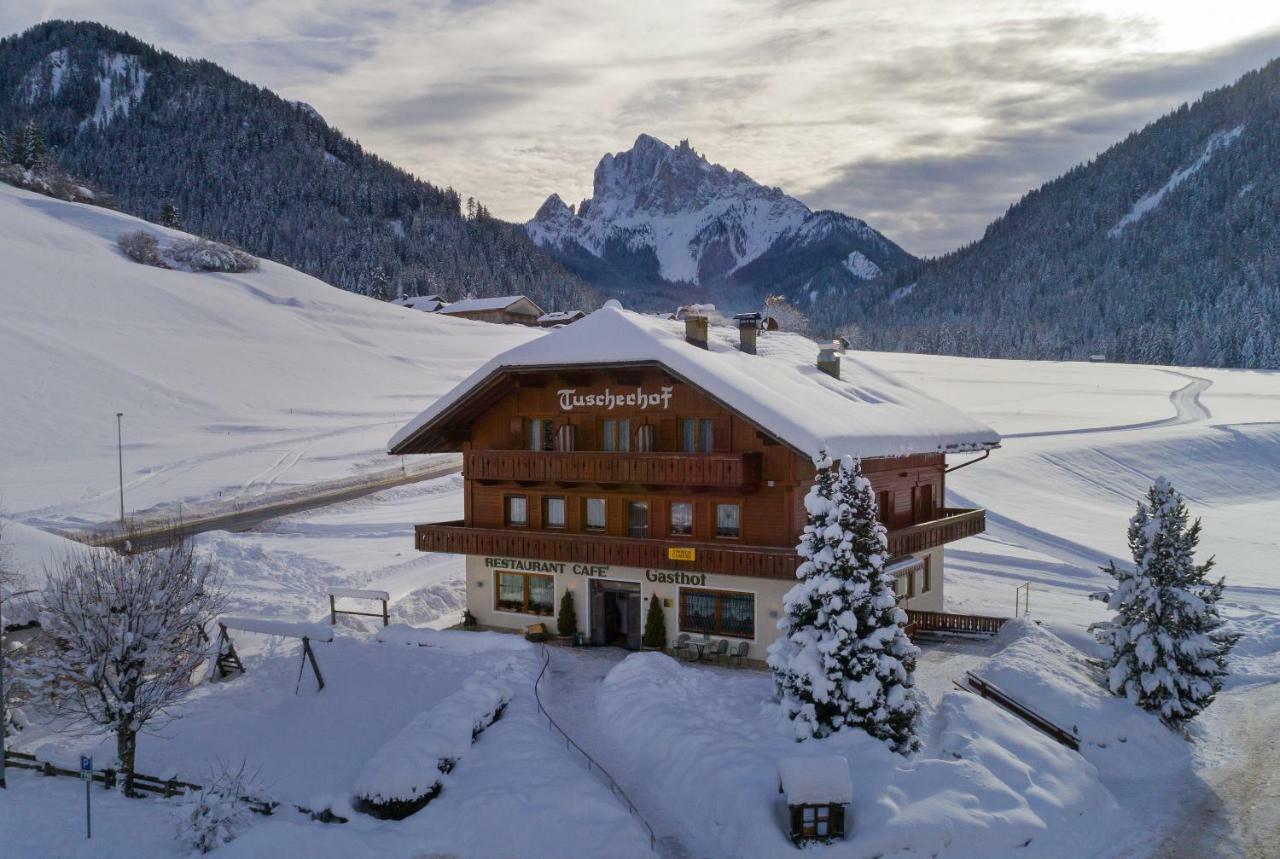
[(843, 659), (170, 216), (1168, 648)]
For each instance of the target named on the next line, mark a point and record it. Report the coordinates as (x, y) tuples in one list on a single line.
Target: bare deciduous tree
[(129, 632)]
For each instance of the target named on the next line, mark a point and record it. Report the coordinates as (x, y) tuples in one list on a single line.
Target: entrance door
[(615, 614)]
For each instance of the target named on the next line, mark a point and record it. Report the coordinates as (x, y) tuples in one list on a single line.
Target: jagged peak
[(553, 207)]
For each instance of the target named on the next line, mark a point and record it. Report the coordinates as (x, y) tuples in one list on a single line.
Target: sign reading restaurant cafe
[(600, 571)]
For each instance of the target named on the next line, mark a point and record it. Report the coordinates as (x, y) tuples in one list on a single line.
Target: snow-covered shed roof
[(815, 781), (421, 302), (865, 413), (560, 316), (472, 305)]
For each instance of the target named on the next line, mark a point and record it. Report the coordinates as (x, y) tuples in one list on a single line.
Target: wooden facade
[(620, 465)]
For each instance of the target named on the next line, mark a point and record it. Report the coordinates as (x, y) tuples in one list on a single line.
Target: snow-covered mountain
[(664, 221)]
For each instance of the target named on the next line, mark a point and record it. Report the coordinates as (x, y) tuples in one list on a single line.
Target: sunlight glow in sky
[(925, 118)]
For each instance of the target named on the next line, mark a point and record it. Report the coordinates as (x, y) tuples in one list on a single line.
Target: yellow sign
[(681, 554)]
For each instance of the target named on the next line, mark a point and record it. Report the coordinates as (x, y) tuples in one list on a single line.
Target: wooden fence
[(941, 621), (1022, 711)]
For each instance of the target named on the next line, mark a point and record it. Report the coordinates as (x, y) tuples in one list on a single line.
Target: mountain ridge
[(663, 220)]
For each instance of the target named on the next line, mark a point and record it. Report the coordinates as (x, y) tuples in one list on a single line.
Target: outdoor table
[(699, 643)]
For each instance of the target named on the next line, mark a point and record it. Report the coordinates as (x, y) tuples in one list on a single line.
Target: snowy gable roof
[(815, 781), (865, 413), (471, 305)]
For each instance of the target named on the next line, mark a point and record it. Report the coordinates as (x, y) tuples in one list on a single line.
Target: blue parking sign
[(86, 766)]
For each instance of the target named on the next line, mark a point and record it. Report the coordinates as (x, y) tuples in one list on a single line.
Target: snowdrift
[(986, 784)]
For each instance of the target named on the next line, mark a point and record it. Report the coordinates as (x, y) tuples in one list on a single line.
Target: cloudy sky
[(925, 118)]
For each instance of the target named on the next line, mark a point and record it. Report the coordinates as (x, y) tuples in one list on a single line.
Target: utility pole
[(120, 460)]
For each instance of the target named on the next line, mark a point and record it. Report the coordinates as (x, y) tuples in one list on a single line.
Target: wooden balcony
[(763, 562), (953, 524), (740, 470)]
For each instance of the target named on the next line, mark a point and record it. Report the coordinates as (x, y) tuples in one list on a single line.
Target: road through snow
[(1187, 409)]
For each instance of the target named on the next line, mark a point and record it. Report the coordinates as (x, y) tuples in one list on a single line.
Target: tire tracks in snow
[(1187, 409)]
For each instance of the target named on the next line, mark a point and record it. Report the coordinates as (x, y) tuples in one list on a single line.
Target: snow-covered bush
[(843, 659), (199, 254), (218, 813), (1168, 650), (407, 772), (141, 246)]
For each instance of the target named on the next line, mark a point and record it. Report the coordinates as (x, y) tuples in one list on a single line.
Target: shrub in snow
[(141, 246), (1168, 650), (199, 254), (567, 622), (407, 772), (843, 659), (655, 624), (218, 813), (127, 633)]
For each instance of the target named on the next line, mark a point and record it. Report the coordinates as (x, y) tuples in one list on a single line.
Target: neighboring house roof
[(503, 302), (865, 413), (428, 303), (560, 316)]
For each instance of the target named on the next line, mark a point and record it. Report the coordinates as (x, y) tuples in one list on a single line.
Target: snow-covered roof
[(865, 413), (815, 781), (560, 316), (421, 302), (502, 302)]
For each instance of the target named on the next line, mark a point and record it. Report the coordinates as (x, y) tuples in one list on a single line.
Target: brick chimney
[(695, 331), (829, 360), (748, 326)]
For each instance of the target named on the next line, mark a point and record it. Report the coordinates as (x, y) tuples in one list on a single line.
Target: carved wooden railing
[(655, 469), (954, 524), (755, 561)]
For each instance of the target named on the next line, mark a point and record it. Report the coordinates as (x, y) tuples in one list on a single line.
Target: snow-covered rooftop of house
[(815, 781), (560, 316), (468, 305), (865, 413), (420, 302)]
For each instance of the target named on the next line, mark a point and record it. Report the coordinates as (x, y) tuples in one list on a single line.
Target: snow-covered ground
[(230, 384)]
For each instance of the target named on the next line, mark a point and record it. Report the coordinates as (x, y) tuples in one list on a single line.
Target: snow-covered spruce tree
[(1168, 649), (843, 659), (128, 634), (170, 216)]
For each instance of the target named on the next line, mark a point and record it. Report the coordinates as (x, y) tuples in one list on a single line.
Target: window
[(526, 593), (615, 434), (517, 510), (926, 576), (566, 437), (697, 434), (718, 612), (541, 434), (682, 518), (815, 821), (644, 438), (595, 514), (924, 503), (553, 512), (728, 520), (638, 519)]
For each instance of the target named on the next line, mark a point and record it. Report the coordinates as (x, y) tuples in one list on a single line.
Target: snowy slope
[(701, 222), (231, 385)]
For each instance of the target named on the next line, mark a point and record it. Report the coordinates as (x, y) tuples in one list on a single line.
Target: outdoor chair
[(738, 655), (681, 646), (717, 650)]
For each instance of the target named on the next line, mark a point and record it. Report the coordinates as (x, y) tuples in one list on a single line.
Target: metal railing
[(592, 763)]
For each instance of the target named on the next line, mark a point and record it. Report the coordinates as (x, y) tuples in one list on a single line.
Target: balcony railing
[(755, 561), (767, 562), (653, 469), (953, 524)]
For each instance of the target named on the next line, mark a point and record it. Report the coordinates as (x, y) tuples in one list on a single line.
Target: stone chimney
[(829, 360), (695, 331), (748, 326)]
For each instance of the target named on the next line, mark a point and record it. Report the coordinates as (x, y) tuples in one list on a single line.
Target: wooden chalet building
[(625, 458), (506, 309)]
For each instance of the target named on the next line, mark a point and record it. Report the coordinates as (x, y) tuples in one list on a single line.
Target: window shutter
[(720, 441), (565, 438), (667, 434), (517, 432)]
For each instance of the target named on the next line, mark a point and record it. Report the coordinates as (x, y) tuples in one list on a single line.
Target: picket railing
[(592, 763)]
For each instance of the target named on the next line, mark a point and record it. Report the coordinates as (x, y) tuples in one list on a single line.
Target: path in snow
[(572, 682), (1236, 814), (1187, 409)]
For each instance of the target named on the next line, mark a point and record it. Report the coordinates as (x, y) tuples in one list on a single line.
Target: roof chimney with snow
[(695, 330), (829, 360), (748, 325)]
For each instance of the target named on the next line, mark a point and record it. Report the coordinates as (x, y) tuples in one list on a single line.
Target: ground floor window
[(728, 613), (526, 593)]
